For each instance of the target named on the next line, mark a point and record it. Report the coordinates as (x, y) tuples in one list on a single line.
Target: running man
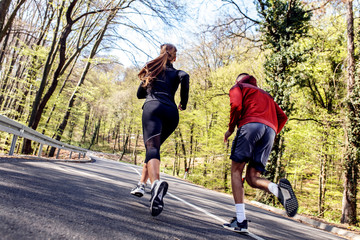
[(160, 117), (258, 119)]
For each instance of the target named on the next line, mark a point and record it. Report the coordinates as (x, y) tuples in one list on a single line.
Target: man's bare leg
[(238, 190), (254, 179), (236, 181)]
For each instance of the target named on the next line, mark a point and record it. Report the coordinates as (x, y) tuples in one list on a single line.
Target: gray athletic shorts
[(252, 144)]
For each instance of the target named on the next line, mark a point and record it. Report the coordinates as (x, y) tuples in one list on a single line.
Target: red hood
[(248, 79)]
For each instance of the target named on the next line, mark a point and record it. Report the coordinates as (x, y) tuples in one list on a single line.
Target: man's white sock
[(240, 212), (274, 189)]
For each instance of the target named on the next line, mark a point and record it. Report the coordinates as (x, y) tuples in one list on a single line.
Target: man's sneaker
[(157, 195), (235, 226), (287, 197), (138, 190)]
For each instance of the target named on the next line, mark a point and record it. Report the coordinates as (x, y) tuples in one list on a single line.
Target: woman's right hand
[(180, 108)]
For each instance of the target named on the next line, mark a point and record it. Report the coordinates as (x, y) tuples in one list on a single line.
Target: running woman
[(258, 119), (160, 117)]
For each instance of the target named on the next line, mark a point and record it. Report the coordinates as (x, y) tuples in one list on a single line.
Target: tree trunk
[(192, 126), (36, 110), (4, 6), (226, 167), (135, 147), (194, 155), (64, 122), (322, 184), (14, 87), (279, 173), (58, 95), (176, 157), (183, 149), (86, 123), (352, 130), (96, 132), (35, 64), (71, 131), (4, 45), (119, 137), (36, 116), (124, 134), (5, 86), (124, 148), (205, 166), (129, 134), (104, 131), (116, 133)]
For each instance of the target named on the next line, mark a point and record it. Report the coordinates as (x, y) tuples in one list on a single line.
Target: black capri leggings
[(158, 121)]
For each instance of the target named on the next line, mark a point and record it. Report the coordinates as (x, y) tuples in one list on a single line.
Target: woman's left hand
[(180, 108)]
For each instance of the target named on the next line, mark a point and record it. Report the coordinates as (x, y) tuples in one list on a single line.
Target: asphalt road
[(59, 200)]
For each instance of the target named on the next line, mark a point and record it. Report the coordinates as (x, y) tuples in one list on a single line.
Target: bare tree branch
[(121, 7), (240, 11), (320, 7)]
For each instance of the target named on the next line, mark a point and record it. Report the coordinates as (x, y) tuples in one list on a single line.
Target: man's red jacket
[(252, 104)]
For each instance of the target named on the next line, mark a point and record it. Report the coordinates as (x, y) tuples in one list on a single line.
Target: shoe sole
[(235, 230), (157, 203), (290, 202), (138, 194)]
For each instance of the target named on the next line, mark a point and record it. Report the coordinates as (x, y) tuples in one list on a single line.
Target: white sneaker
[(157, 195), (138, 190)]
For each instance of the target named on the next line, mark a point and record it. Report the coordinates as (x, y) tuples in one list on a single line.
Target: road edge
[(312, 222), (87, 159)]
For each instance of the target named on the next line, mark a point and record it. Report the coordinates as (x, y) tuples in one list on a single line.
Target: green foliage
[(321, 75), (282, 24), (315, 135)]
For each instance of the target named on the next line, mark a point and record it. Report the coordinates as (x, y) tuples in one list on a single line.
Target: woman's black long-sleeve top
[(164, 87)]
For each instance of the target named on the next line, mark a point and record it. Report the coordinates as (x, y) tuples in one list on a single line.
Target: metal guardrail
[(20, 130)]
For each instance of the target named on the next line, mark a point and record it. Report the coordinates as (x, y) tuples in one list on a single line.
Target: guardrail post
[(13, 143), (57, 155), (40, 150), (84, 154), (79, 155), (70, 154)]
